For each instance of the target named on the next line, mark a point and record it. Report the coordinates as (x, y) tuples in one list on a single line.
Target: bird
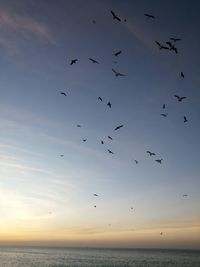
[(79, 126), (164, 114), (161, 233), (95, 206), (131, 208), (102, 142), (175, 39), (118, 127), (182, 75), (61, 156), (163, 106), (99, 98), (118, 73), (150, 16), (180, 98), (117, 53), (93, 60), (159, 160), (63, 93), (136, 161), (161, 46), (185, 195), (110, 137), (151, 153), (170, 44), (115, 16), (84, 140), (125, 20), (185, 119), (73, 61), (110, 151), (109, 104), (95, 195)]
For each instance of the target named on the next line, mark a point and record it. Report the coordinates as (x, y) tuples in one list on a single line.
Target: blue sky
[(39, 189)]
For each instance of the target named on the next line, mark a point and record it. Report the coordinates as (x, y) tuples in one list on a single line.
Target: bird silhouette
[(117, 53), (150, 16), (110, 137), (100, 98), (117, 73), (102, 142), (63, 93), (163, 106), (110, 151), (175, 39), (180, 98), (84, 140), (115, 16), (159, 160), (78, 125), (118, 127), (185, 119), (73, 61), (93, 60), (185, 195), (95, 195), (136, 161), (172, 47), (164, 114), (131, 208), (161, 233), (109, 104), (151, 153), (95, 206), (182, 75), (161, 46), (61, 156)]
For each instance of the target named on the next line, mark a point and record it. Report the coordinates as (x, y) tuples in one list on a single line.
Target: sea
[(84, 257)]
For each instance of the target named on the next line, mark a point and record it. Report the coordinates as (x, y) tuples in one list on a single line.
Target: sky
[(46, 199)]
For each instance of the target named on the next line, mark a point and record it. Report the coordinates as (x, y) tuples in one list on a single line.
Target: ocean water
[(84, 257)]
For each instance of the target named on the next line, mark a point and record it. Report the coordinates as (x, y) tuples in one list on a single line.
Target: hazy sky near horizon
[(48, 199)]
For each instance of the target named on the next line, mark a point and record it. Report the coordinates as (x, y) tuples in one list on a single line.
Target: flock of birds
[(169, 45)]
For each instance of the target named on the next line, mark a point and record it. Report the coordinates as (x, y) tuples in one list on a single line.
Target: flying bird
[(151, 153), (161, 233), (79, 126), (110, 137), (95, 195), (84, 140), (73, 61), (164, 114), (185, 119), (161, 46), (136, 161), (118, 127), (117, 73), (163, 106), (100, 98), (117, 53), (110, 151), (61, 156), (93, 60), (180, 98), (175, 39), (102, 142), (149, 16), (182, 75), (63, 93), (115, 16), (159, 160), (185, 195), (109, 104), (95, 206), (131, 208)]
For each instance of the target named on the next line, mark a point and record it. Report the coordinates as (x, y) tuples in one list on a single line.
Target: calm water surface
[(61, 257)]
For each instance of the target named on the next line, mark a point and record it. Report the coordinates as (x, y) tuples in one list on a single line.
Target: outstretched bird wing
[(115, 16), (118, 127)]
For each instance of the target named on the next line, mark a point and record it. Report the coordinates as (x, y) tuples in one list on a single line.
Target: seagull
[(182, 75), (118, 127), (95, 195), (175, 39), (136, 161), (117, 53), (115, 16), (100, 98), (84, 140), (63, 93), (109, 104), (79, 126), (73, 61), (163, 106), (185, 195), (161, 46), (159, 160), (180, 98), (185, 119), (110, 151), (102, 142), (110, 137), (93, 60), (164, 114), (151, 153), (149, 16), (61, 156), (118, 73)]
